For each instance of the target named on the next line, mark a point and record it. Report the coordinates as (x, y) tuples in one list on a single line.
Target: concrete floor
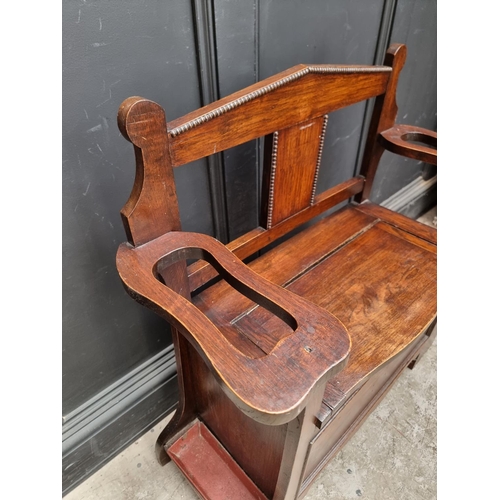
[(391, 457)]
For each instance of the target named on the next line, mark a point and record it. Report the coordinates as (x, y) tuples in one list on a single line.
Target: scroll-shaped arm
[(272, 389), (397, 140)]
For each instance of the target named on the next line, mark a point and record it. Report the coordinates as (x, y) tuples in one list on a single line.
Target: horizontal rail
[(201, 272)]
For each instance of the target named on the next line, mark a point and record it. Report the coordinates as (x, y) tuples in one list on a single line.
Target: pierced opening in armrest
[(411, 141), (233, 328), (420, 138)]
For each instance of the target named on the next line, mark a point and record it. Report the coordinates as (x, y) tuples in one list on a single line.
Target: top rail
[(293, 96)]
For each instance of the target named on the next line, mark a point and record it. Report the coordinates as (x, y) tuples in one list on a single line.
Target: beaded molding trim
[(274, 160), (318, 161), (273, 86)]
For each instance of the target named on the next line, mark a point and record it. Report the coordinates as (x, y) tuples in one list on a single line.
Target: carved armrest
[(272, 389), (397, 140)]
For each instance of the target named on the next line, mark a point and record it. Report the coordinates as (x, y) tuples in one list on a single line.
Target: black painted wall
[(118, 372)]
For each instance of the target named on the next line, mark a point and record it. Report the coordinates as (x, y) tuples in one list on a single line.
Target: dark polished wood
[(383, 118), (279, 361), (210, 468), (288, 98), (401, 140), (152, 208), (319, 343), (242, 436), (420, 230)]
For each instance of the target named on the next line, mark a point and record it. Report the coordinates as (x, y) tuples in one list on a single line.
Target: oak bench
[(279, 361)]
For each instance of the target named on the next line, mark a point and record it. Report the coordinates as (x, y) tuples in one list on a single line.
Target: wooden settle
[(281, 360)]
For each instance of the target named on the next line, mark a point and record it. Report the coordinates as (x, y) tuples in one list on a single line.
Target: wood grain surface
[(283, 358)]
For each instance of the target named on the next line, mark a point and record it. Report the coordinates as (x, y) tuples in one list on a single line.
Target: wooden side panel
[(256, 447), (151, 211), (290, 175), (354, 411)]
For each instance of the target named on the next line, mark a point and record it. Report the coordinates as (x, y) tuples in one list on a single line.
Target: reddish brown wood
[(243, 437), (248, 244), (151, 211), (420, 230), (282, 265), (348, 283), (383, 117), (398, 139), (352, 412), (187, 361), (356, 289), (262, 355), (384, 135), (201, 272), (210, 468), (293, 96), (299, 434), (415, 240)]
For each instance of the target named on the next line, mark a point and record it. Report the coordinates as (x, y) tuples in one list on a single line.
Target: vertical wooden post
[(300, 431), (383, 117)]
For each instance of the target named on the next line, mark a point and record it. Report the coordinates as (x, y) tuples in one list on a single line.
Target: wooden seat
[(279, 361)]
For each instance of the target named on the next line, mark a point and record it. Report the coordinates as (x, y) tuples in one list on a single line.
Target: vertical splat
[(152, 208), (292, 159)]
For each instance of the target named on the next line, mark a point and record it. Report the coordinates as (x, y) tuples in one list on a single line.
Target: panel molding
[(92, 434)]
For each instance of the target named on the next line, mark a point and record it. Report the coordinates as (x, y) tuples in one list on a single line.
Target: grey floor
[(391, 457)]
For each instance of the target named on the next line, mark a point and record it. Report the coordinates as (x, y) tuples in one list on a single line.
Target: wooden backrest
[(290, 110)]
